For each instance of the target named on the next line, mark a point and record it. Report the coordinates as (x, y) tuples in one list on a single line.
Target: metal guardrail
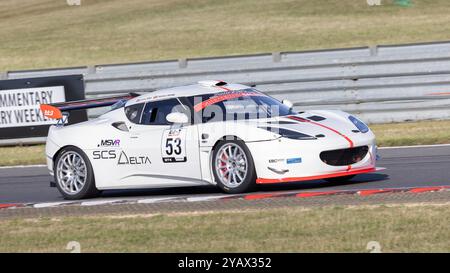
[(388, 83)]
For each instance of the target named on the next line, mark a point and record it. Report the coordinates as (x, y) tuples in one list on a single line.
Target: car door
[(163, 154)]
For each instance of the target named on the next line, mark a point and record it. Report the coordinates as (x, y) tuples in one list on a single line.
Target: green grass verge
[(412, 133), (49, 33), (393, 134), (22, 155), (397, 229)]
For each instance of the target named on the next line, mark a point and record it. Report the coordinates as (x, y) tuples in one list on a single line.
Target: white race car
[(229, 135)]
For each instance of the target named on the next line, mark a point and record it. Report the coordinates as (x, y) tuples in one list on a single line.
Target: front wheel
[(233, 167), (73, 173)]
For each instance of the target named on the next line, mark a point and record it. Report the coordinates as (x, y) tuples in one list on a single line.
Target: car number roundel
[(173, 146)]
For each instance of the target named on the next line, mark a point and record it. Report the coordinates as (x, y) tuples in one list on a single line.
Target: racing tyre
[(233, 167), (73, 174), (340, 179)]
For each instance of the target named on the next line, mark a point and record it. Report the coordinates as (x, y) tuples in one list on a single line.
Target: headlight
[(362, 127)]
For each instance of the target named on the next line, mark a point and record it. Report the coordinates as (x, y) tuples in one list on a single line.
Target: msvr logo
[(109, 143)]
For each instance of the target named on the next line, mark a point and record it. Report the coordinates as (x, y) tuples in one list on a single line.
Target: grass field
[(394, 134), (49, 33), (22, 155), (412, 133), (338, 229)]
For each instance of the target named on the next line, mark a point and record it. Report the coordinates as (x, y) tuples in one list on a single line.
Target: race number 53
[(173, 148)]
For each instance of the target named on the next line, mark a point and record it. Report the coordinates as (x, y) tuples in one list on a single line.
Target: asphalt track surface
[(406, 167)]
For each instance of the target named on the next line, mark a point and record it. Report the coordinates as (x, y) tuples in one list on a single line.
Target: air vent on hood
[(316, 118), (288, 133)]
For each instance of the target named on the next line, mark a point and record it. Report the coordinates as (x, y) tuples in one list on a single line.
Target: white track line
[(156, 200), (52, 204), (205, 198), (23, 166), (99, 202)]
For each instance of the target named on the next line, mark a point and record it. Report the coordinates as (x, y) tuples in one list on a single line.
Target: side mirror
[(177, 118), (288, 103)]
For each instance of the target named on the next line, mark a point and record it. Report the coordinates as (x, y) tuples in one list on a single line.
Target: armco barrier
[(388, 83)]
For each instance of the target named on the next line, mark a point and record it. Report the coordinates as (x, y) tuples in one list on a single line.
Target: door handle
[(134, 135)]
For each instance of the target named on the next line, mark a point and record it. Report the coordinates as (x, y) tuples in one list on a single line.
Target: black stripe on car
[(288, 133)]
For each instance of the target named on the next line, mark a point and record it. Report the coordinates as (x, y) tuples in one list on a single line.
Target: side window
[(134, 112), (155, 112)]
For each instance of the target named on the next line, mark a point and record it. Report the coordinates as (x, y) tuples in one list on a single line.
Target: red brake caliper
[(223, 164)]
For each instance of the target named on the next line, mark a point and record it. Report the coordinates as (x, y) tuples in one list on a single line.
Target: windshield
[(238, 105)]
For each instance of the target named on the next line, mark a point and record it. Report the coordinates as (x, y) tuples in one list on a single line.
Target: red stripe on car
[(323, 126), (314, 177)]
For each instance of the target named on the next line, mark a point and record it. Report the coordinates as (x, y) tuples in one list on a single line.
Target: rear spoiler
[(55, 110)]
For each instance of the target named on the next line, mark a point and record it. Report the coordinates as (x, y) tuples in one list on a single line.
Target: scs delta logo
[(122, 158)]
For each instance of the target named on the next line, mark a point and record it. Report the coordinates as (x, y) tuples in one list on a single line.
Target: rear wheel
[(233, 167), (340, 179), (74, 175)]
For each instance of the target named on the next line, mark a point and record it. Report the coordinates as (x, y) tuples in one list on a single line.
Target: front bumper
[(315, 177), (287, 160)]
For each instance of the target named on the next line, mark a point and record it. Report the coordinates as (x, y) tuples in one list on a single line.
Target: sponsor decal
[(50, 111), (173, 148), (104, 154), (294, 160), (174, 159), (133, 160), (158, 97), (109, 143), (122, 158), (21, 107), (275, 160)]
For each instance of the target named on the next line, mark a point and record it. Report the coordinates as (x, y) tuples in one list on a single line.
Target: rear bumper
[(50, 150)]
